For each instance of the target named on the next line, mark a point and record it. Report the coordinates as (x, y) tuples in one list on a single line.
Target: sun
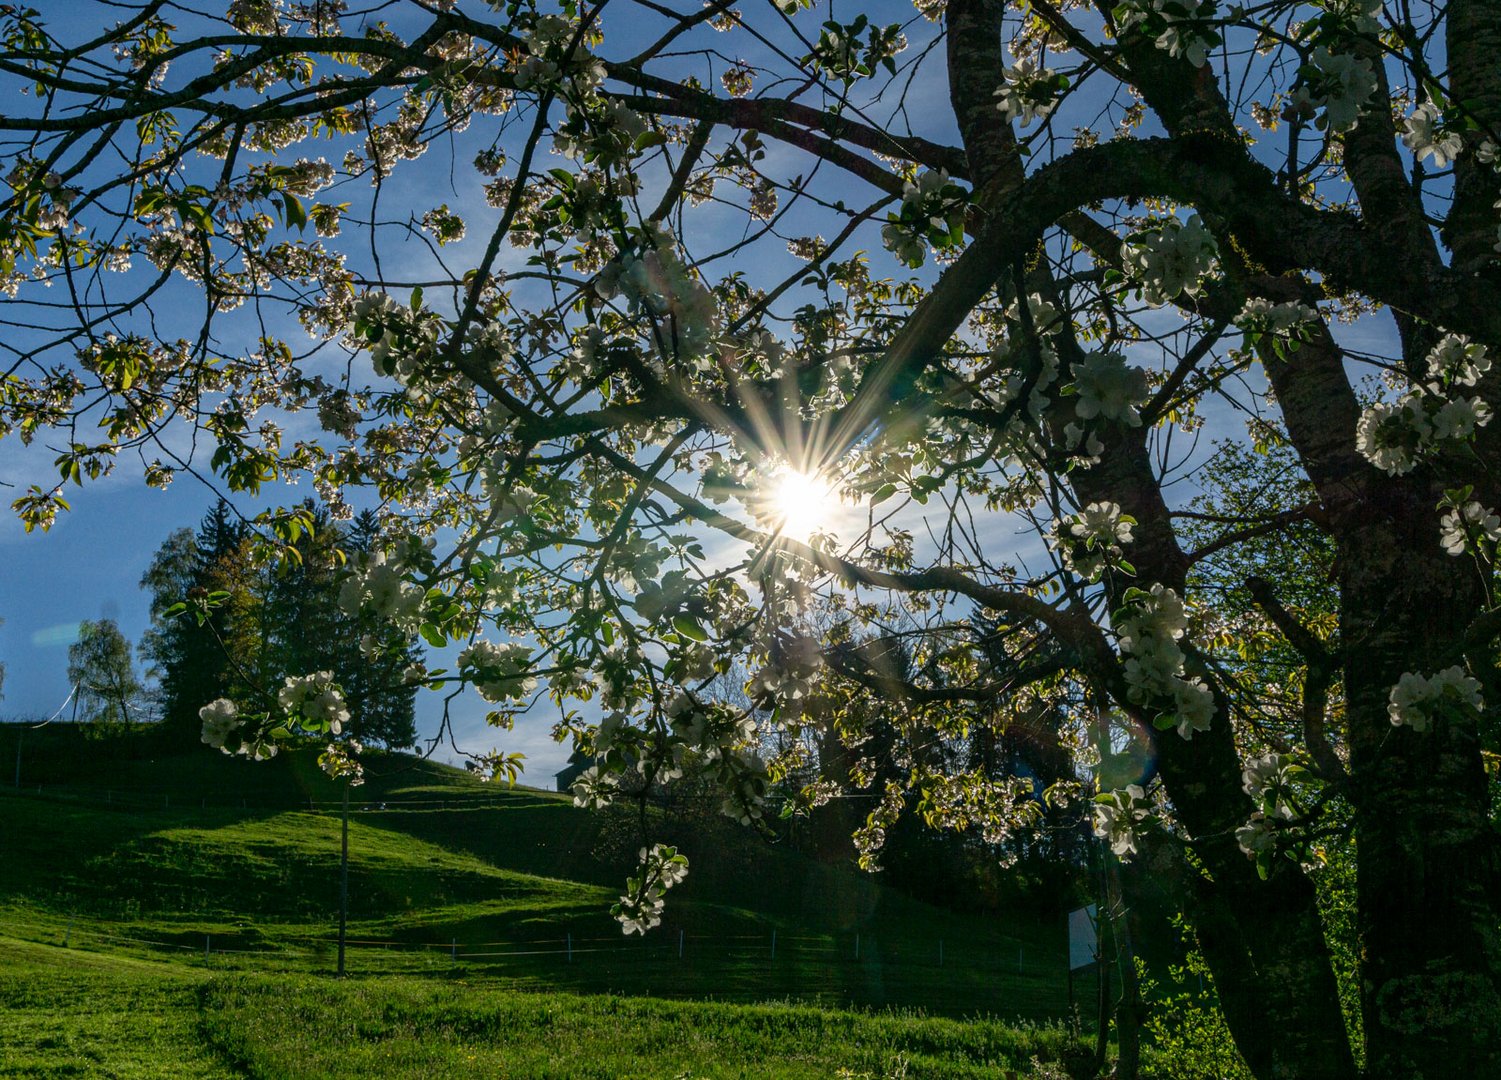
[(801, 503)]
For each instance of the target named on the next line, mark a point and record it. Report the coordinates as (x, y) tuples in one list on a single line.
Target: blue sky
[(90, 564)]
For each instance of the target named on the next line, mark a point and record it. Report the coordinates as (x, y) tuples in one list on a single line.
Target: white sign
[(1083, 938)]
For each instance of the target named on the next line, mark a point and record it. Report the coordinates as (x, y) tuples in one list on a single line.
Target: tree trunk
[(1262, 939), (1430, 928)]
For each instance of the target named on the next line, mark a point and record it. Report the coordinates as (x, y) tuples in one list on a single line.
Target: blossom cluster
[(1467, 525), (1107, 388), (1456, 361), (1397, 436), (788, 674), (1260, 317), (315, 701), (1417, 700), (401, 341), (656, 281), (1116, 815), (1170, 259), (1030, 92), (1175, 25), (1268, 779), (595, 788), (228, 732), (1337, 83), (341, 761), (640, 907), (221, 718), (1426, 135), (498, 672), (1149, 629), (380, 588), (932, 211), (1090, 541), (552, 48)]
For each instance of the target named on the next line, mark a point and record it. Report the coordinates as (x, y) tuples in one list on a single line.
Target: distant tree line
[(264, 621)]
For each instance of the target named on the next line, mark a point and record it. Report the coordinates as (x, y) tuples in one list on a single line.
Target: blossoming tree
[(997, 275)]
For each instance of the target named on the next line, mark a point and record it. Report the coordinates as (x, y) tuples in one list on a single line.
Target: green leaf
[(689, 628), (433, 635), (292, 209)]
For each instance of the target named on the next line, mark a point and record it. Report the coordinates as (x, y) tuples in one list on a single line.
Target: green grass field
[(152, 927), (65, 1013)]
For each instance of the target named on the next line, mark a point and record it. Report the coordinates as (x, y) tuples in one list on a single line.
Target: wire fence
[(852, 948), (674, 963), (909, 967), (136, 800)]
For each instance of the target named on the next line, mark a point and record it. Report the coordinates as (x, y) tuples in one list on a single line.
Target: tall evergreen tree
[(190, 662), (306, 630), (266, 621), (382, 703)]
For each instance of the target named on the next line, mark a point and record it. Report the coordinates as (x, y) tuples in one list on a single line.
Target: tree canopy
[(262, 620), (995, 287), (102, 673)]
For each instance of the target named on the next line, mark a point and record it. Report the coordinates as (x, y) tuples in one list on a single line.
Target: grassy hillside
[(205, 890)]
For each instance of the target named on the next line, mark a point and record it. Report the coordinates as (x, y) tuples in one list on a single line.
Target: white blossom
[(1029, 92), (1115, 817), (1170, 260), (1256, 836), (1262, 316), (1180, 34), (1425, 137), (1461, 525), (498, 672), (1396, 436), (594, 790), (1109, 389), (1090, 540), (1148, 631), (1417, 699), (1340, 84), (379, 588), (1455, 360), (1361, 15), (220, 718), (1267, 779), (315, 699), (640, 907), (1194, 706), (1458, 418)]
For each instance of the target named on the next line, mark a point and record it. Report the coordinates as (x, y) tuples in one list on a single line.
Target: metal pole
[(343, 878), (20, 731), (857, 945)]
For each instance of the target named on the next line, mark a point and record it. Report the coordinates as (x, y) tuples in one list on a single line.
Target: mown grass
[(315, 1029), (69, 1014)]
